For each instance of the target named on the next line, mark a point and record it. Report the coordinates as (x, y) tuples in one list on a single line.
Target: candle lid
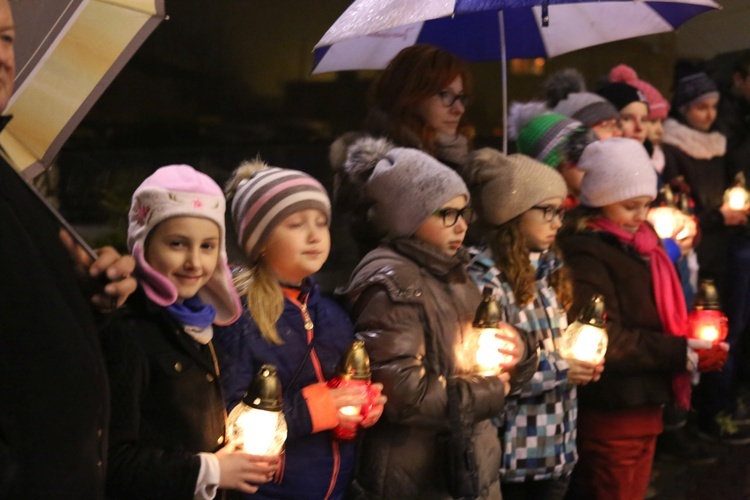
[(265, 390), (355, 363), (665, 197), (488, 313), (593, 313), (707, 296)]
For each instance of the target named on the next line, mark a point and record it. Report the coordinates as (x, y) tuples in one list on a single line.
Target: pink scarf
[(670, 301)]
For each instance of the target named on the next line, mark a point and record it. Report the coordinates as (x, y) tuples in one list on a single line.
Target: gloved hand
[(711, 359)]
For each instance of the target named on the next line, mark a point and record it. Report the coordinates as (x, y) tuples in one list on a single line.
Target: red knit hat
[(658, 106)]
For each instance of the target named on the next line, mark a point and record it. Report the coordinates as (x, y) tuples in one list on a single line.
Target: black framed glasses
[(449, 98), (450, 215), (549, 213)]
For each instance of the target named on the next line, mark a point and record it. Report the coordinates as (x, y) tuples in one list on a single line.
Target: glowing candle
[(586, 339)]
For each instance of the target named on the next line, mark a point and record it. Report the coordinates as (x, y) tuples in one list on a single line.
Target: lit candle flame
[(488, 357), (587, 343), (737, 198), (709, 332), (350, 410)]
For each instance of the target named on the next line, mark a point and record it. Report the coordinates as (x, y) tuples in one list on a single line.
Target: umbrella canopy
[(371, 32), (66, 55)]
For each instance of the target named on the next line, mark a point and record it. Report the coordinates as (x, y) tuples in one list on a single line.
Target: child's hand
[(378, 402), (513, 347), (108, 279), (505, 377), (242, 471), (583, 372), (344, 398), (733, 217)]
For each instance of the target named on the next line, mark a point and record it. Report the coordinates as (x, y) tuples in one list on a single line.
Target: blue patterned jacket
[(538, 429)]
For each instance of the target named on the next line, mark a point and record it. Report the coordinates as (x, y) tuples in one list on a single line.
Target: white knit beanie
[(616, 169), (181, 191)]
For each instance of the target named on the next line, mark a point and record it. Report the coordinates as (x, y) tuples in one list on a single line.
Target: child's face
[(573, 176), (185, 250), (702, 114), (434, 231), (633, 121), (655, 131), (298, 246), (628, 214), (537, 228), (607, 128)]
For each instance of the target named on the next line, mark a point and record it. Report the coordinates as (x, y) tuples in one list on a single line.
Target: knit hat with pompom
[(658, 107)]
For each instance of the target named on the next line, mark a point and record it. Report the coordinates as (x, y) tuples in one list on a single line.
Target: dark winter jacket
[(315, 463), (167, 404), (413, 307), (54, 398), (641, 358), (699, 158), (733, 119)]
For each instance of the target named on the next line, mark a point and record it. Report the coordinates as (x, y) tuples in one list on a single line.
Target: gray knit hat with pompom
[(405, 186)]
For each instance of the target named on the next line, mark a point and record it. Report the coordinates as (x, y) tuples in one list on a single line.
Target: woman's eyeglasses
[(450, 215), (549, 213), (449, 98)]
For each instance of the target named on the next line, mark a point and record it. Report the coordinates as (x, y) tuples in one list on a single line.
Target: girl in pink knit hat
[(167, 431)]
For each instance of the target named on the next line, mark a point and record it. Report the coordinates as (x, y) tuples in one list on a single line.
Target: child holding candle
[(611, 251), (281, 220), (413, 305), (519, 206), (167, 430), (695, 149)]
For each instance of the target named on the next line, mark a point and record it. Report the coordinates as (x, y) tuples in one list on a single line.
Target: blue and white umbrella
[(371, 32)]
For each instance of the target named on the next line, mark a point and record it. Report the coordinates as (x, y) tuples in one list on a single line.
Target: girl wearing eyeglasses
[(418, 101), (612, 251), (519, 209), (413, 304)]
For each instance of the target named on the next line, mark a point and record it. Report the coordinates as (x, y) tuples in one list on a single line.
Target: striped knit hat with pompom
[(543, 136), (267, 197)]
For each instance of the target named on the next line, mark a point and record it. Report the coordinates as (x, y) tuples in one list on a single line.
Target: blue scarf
[(195, 317)]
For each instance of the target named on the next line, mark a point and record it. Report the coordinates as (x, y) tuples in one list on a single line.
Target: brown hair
[(413, 76), (511, 255)]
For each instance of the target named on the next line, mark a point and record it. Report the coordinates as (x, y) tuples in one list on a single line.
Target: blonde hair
[(265, 300)]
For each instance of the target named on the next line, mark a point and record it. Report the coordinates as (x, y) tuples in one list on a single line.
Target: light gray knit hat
[(586, 107), (616, 169), (504, 187), (405, 186)]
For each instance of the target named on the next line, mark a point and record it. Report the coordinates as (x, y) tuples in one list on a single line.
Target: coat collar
[(434, 261), (699, 145)]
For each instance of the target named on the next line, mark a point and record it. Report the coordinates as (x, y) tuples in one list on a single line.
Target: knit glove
[(711, 360)]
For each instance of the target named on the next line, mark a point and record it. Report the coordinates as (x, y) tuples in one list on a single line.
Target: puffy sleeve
[(395, 339)]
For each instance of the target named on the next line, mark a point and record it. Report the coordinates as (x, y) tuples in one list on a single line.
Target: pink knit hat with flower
[(181, 191), (658, 106)]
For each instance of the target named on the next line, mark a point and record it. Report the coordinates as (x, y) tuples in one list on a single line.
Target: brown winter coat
[(640, 357), (413, 306)]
